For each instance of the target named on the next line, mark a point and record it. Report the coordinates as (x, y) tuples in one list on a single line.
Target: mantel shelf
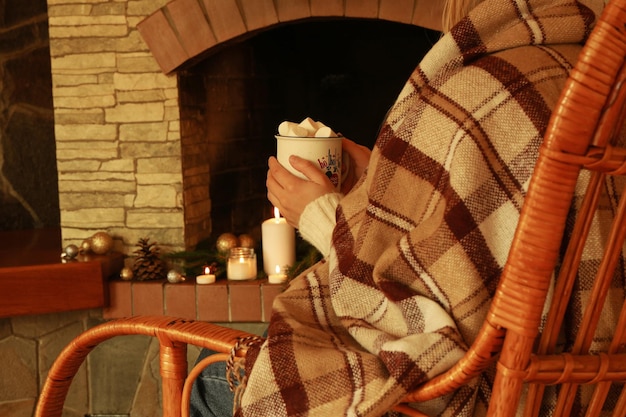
[(34, 280)]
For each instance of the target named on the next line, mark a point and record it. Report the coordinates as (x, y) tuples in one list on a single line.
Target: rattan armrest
[(173, 334)]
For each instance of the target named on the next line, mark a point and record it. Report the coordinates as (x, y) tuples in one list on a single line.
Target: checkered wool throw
[(421, 241)]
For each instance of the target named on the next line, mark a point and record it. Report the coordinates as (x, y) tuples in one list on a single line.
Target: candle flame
[(276, 213), (278, 269), (207, 270)]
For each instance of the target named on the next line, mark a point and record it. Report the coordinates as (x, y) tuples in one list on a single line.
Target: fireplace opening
[(345, 73)]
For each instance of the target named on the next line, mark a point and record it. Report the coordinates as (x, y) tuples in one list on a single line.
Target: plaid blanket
[(421, 241)]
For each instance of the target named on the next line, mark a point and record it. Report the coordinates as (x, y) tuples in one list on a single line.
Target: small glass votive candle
[(207, 278), (278, 277), (241, 264)]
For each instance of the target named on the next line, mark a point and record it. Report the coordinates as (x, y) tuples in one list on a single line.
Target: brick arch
[(184, 30)]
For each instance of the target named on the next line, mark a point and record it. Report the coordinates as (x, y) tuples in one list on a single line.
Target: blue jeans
[(210, 395)]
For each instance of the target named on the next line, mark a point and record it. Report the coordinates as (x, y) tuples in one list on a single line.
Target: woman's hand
[(359, 157), (291, 194)]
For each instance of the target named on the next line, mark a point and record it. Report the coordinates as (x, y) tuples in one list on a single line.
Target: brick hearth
[(224, 301)]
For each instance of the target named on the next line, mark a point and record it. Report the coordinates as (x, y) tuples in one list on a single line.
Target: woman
[(420, 241)]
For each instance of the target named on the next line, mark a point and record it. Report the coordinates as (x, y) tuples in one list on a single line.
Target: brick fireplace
[(171, 143), (165, 111), (174, 150)]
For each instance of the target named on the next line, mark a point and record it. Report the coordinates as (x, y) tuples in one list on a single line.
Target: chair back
[(573, 215)]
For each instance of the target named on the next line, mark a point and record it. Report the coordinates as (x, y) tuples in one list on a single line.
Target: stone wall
[(116, 126)]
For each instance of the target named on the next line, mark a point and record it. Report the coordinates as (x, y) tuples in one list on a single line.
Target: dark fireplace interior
[(345, 73)]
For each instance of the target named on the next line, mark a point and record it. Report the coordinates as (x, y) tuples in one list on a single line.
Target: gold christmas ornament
[(247, 241), (225, 242), (101, 243), (85, 247), (126, 273)]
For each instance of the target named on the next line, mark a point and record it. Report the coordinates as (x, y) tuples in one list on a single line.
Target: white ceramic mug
[(325, 153)]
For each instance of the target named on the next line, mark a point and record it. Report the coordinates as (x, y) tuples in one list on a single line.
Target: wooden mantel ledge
[(34, 280)]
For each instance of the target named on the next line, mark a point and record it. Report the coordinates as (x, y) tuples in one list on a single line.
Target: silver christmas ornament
[(175, 277), (70, 251)]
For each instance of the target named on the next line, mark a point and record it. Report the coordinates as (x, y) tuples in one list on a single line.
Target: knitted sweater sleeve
[(317, 221)]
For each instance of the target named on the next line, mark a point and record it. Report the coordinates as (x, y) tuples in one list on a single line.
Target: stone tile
[(152, 218), (84, 61), (159, 195), (212, 302), (115, 367), (77, 399), (54, 342), (50, 346), (245, 301), (19, 363), (192, 355), (135, 112), (180, 300), (147, 401), (37, 325), (147, 298)]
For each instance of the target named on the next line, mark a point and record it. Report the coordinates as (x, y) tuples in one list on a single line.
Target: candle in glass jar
[(241, 264), (278, 277), (279, 243)]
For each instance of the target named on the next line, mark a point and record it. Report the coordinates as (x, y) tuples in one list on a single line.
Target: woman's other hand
[(359, 157)]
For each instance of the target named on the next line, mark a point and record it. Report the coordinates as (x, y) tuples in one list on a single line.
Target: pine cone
[(148, 264)]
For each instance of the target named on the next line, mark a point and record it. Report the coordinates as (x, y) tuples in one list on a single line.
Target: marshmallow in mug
[(306, 128)]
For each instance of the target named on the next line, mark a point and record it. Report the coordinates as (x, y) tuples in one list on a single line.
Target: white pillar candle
[(279, 243)]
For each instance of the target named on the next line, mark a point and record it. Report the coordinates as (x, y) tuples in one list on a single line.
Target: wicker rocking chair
[(586, 120)]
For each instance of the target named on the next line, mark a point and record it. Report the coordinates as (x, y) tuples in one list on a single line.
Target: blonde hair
[(454, 11)]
